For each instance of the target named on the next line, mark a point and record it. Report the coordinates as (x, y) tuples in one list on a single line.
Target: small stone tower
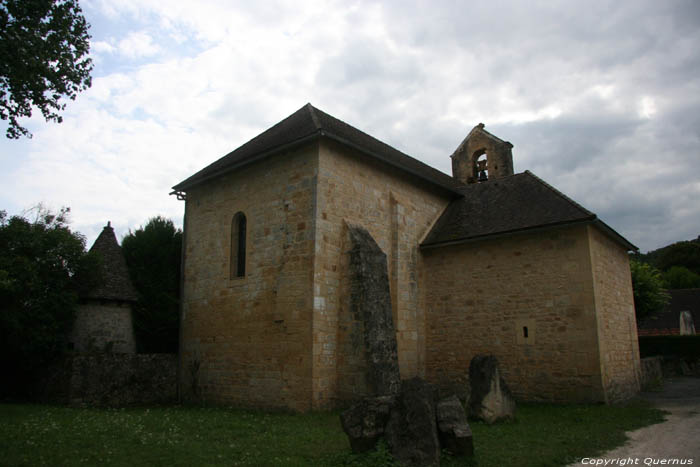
[(103, 321), (481, 157)]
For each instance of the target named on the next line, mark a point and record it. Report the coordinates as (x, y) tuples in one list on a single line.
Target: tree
[(680, 277), (684, 253), (650, 297), (153, 254), (43, 269), (44, 47)]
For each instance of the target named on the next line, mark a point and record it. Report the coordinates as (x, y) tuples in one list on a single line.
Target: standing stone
[(489, 399), (364, 422), (371, 300), (453, 429), (412, 432), (687, 327)]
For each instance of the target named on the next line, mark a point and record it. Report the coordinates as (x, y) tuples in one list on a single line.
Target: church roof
[(309, 124), (507, 205), (115, 282)]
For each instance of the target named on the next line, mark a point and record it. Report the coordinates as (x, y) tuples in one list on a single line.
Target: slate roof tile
[(115, 284), (308, 124), (506, 205)]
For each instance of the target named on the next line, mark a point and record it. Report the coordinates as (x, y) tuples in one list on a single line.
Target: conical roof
[(115, 282)]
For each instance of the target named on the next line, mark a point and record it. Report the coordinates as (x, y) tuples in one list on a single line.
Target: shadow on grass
[(183, 436)]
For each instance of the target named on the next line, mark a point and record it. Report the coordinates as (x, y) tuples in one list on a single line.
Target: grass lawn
[(192, 436)]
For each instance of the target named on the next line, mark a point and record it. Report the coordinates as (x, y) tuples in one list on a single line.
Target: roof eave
[(592, 219), (610, 232), (184, 185), (508, 233)]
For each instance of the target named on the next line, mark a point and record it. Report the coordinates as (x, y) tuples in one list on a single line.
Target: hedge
[(678, 346)]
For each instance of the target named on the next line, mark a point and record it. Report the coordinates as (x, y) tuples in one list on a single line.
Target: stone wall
[(617, 326), (247, 340), (114, 380), (398, 211), (103, 326), (527, 299), (651, 373)]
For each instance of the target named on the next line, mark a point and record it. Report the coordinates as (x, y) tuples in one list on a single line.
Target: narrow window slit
[(238, 245)]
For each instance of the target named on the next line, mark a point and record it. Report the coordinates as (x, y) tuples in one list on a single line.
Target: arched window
[(481, 169), (238, 229)]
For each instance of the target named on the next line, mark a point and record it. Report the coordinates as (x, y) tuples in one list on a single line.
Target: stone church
[(483, 261)]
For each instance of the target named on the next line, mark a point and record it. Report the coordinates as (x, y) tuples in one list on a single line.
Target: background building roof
[(668, 321)]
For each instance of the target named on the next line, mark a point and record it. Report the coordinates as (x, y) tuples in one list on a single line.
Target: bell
[(482, 176)]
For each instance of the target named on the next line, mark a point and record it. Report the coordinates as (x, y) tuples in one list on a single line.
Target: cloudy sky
[(599, 98)]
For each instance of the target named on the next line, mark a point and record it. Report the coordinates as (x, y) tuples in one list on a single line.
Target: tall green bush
[(152, 255), (650, 297), (43, 269)]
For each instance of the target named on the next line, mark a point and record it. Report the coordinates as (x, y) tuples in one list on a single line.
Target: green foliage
[(542, 435), (153, 255), (43, 266), (684, 253), (680, 277), (44, 47), (672, 346), (650, 297), (680, 254)]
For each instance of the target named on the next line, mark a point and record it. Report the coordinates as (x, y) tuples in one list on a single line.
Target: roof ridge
[(370, 136), (480, 127), (307, 123), (561, 195), (329, 132), (314, 117)]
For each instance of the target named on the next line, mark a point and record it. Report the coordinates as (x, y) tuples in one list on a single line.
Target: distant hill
[(684, 253)]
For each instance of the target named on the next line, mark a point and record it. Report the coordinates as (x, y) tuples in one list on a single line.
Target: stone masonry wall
[(121, 380), (398, 211), (528, 300), (103, 326), (247, 340), (617, 326)]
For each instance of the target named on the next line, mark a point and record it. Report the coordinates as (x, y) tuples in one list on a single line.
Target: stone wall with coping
[(398, 211), (103, 326), (527, 299), (117, 380), (247, 340), (617, 325)]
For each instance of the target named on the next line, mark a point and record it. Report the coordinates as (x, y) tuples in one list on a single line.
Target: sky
[(601, 99)]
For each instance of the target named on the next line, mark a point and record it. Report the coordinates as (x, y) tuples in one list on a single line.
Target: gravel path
[(673, 442)]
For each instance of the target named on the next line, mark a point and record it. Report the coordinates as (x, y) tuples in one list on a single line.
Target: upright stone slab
[(686, 325), (453, 428), (412, 429), (365, 421), (371, 300), (489, 399)]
